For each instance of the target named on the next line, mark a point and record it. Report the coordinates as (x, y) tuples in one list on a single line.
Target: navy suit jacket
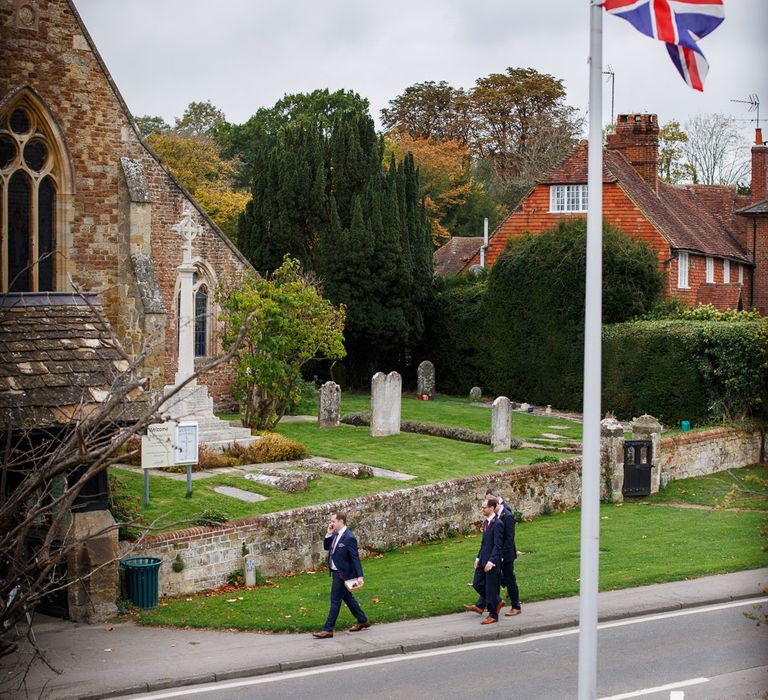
[(487, 550), (345, 556), (504, 536)]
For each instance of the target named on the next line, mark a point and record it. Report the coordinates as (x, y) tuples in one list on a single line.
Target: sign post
[(157, 450), (187, 449)]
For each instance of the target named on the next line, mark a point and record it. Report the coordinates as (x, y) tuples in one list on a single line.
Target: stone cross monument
[(188, 230)]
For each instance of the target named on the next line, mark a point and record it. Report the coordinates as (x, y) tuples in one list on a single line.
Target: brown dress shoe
[(499, 606), (512, 612), (323, 634), (488, 620), (360, 626), (473, 608)]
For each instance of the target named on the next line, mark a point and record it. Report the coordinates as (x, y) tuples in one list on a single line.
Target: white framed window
[(568, 198), (726, 271), (741, 273), (682, 270), (710, 270)]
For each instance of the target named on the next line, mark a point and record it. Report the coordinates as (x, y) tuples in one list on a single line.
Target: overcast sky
[(246, 54)]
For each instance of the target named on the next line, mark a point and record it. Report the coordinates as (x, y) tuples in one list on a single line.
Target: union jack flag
[(678, 23)]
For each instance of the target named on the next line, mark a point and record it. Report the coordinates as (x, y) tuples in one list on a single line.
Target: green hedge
[(694, 370)]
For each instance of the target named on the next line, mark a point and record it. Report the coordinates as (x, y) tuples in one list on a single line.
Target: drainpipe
[(484, 247), (754, 269)]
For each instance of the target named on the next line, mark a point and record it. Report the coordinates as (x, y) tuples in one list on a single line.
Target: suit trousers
[(509, 582), (487, 586), (340, 593)]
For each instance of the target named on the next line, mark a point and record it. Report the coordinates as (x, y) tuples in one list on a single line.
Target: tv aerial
[(754, 106)]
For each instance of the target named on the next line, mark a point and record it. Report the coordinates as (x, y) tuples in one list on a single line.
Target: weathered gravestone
[(475, 393), (386, 393), (425, 379), (501, 428), (330, 405)]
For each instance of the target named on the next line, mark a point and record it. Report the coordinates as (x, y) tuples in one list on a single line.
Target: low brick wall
[(708, 451), (293, 540)]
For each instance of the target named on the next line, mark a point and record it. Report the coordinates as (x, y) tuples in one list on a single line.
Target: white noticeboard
[(186, 443), (158, 447)]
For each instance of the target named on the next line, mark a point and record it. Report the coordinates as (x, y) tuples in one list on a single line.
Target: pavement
[(110, 660)]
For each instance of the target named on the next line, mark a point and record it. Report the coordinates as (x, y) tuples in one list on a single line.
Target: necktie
[(485, 525)]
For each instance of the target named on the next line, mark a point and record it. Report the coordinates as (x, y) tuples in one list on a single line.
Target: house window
[(726, 271), (710, 270), (27, 203), (741, 273), (568, 198), (682, 270)]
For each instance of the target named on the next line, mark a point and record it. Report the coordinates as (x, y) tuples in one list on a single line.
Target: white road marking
[(352, 665), (658, 689)]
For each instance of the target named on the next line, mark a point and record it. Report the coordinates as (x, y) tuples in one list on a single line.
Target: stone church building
[(83, 198)]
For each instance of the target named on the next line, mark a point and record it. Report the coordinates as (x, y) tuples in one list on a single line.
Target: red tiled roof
[(573, 169), (721, 296), (451, 258), (681, 215)]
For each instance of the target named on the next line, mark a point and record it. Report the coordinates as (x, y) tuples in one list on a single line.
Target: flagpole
[(590, 472)]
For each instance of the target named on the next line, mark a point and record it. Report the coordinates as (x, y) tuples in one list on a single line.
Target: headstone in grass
[(475, 393), (386, 394), (501, 426), (425, 380), (330, 405)]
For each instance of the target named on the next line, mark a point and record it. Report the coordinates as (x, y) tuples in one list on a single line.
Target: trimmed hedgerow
[(694, 370), (433, 429)]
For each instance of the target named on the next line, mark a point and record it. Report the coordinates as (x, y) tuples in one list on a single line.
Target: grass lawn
[(429, 459), (639, 545), (737, 488)]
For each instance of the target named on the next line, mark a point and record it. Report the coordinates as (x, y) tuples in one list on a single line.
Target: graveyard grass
[(429, 459), (640, 544)]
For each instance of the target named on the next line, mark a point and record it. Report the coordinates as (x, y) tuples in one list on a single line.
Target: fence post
[(648, 428), (612, 449)]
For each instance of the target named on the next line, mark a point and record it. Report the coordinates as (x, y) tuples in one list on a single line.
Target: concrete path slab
[(389, 474), (239, 494)]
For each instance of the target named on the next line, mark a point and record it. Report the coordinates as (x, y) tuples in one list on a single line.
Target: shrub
[(534, 308), (236, 578), (210, 517), (271, 447), (694, 370), (207, 459), (304, 401)]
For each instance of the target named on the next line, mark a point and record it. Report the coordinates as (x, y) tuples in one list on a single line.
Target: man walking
[(346, 573), (486, 578), (504, 540)]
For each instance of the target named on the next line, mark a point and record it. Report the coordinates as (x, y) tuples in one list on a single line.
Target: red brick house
[(77, 183), (710, 244)]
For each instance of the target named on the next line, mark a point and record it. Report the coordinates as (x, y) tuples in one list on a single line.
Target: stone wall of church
[(50, 61)]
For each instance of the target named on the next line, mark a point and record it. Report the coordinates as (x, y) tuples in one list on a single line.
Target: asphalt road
[(704, 653)]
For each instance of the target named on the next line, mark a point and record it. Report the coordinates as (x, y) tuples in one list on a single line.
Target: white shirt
[(335, 544)]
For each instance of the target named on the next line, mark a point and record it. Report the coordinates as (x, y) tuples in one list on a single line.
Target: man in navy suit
[(344, 563), (505, 541), (487, 564)]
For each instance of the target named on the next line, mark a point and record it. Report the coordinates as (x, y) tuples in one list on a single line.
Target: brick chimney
[(759, 168), (637, 137)]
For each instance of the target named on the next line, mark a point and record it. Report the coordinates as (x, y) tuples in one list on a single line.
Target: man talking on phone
[(346, 575)]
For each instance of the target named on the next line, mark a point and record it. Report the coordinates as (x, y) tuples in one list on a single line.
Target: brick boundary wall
[(292, 541)]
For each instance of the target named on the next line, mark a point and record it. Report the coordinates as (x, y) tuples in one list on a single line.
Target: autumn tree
[(197, 164), (285, 322), (455, 201)]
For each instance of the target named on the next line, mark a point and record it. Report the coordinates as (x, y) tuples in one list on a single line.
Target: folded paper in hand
[(353, 584)]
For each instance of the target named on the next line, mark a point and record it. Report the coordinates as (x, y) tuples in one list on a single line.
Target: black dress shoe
[(324, 634), (360, 626)]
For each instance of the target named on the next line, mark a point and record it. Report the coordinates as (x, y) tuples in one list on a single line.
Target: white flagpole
[(590, 473)]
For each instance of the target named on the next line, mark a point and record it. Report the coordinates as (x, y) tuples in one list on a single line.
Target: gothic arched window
[(27, 203), (201, 321)]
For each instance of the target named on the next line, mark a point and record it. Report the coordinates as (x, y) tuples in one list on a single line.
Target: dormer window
[(568, 198)]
